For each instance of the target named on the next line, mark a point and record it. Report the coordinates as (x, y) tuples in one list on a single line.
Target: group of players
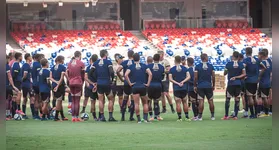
[(133, 82)]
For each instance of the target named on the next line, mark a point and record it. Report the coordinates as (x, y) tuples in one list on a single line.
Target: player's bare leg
[(136, 98), (178, 102), (211, 108), (111, 100), (124, 107), (93, 109), (85, 101), (144, 100), (201, 108), (101, 107), (120, 101), (185, 108), (170, 101), (270, 102), (150, 109)]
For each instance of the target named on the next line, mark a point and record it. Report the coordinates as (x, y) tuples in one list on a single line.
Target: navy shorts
[(263, 92), (45, 97), (9, 91), (180, 94), (165, 86), (104, 89), (127, 89), (154, 92), (192, 96), (27, 91), (36, 90), (89, 93), (205, 92), (18, 85), (251, 89), (60, 92), (233, 91), (118, 90), (139, 90)]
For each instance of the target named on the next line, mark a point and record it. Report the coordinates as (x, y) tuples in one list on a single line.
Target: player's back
[(234, 70), (35, 69), (102, 71), (157, 71), (75, 68), (26, 69), (126, 63), (191, 71), (16, 72), (57, 72), (265, 81), (178, 76), (204, 75), (44, 86), (252, 66), (138, 74)]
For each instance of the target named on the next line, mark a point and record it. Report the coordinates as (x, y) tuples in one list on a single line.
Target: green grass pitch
[(164, 135)]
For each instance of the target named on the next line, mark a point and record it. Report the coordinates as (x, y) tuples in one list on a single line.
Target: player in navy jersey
[(35, 69), (104, 75), (90, 91), (155, 88), (192, 95), (149, 60), (179, 75), (204, 84), (57, 74), (9, 90), (235, 71), (165, 83), (265, 83), (17, 78), (252, 66), (27, 86), (127, 89), (183, 63), (44, 87), (135, 76)]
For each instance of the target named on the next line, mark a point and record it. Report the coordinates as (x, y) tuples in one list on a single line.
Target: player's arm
[(262, 70), (213, 79), (119, 69), (11, 80), (195, 78), (163, 74), (111, 72), (188, 77), (127, 77), (149, 77), (226, 71), (25, 72), (91, 73), (16, 71), (51, 78), (172, 80)]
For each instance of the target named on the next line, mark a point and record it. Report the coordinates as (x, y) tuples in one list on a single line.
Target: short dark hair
[(136, 57), (59, 59), (240, 56), (156, 57), (177, 59), (130, 53), (103, 53), (262, 53), (11, 54), (77, 54), (26, 56), (204, 56), (190, 61), (7, 58), (94, 57), (236, 54), (36, 56), (248, 51), (17, 55), (265, 51), (44, 62)]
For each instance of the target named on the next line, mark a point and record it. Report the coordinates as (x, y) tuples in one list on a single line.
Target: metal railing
[(195, 23), (66, 25)]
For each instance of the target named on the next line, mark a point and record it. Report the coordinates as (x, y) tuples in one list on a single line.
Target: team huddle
[(135, 84)]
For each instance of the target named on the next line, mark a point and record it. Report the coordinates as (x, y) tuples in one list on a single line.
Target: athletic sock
[(262, 108), (200, 115), (62, 114), (13, 108), (110, 115), (123, 108), (236, 108), (83, 109), (179, 115), (212, 114), (53, 103), (270, 108), (32, 106), (18, 107), (145, 116), (259, 108), (194, 110), (252, 110), (56, 114), (266, 110), (156, 108), (171, 106), (256, 109), (44, 116), (151, 114), (24, 109), (227, 106), (99, 115), (246, 101), (164, 108), (132, 108), (189, 104), (94, 115), (138, 116), (186, 115), (102, 115)]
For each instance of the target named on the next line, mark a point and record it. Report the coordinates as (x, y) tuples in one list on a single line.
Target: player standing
[(135, 76), (155, 88), (104, 75), (165, 83), (204, 84), (252, 66), (57, 74), (127, 88), (150, 61), (44, 87), (75, 73), (235, 71), (179, 75), (27, 86)]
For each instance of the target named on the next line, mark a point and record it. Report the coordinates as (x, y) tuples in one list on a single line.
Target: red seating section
[(159, 24)]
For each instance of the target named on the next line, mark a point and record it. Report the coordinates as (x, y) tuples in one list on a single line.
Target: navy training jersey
[(138, 75), (91, 78), (204, 75), (125, 64), (265, 81), (179, 76), (57, 71), (252, 69), (16, 72), (102, 71), (8, 70), (44, 86), (234, 70), (191, 71), (158, 73), (27, 81), (35, 68)]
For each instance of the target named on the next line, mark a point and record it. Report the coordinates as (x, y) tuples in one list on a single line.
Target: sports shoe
[(20, 112), (112, 119), (270, 113), (151, 119), (69, 106), (160, 118), (25, 117), (69, 112), (139, 122), (252, 117), (179, 120), (96, 119), (199, 119), (56, 119), (173, 111), (245, 116), (146, 121), (195, 118), (44, 119), (79, 120), (188, 120), (235, 118), (164, 111), (7, 119), (263, 115), (212, 118), (132, 119), (122, 119), (73, 119), (225, 118), (65, 119), (102, 119)]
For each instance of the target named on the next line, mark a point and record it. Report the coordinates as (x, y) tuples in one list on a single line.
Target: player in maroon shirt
[(75, 73)]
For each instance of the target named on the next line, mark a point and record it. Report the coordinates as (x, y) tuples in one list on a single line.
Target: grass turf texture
[(167, 134)]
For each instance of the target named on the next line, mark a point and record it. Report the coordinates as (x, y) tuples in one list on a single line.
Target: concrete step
[(143, 40), (12, 43)]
